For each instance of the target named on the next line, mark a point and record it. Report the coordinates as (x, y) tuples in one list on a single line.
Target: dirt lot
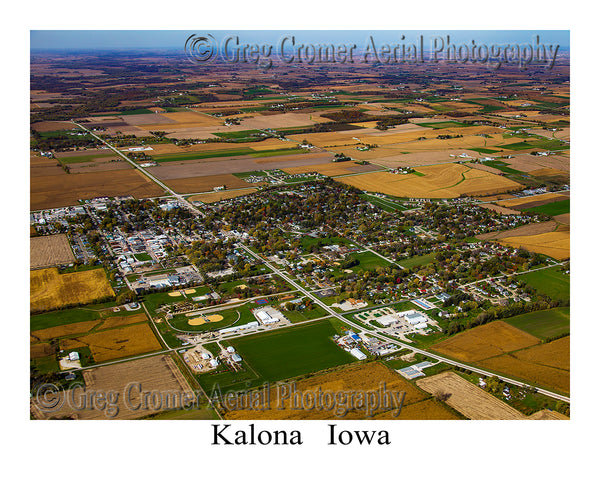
[(49, 251), (438, 181), (224, 195), (158, 373), (50, 290), (364, 377), (116, 342), (492, 339), (66, 189), (468, 399)]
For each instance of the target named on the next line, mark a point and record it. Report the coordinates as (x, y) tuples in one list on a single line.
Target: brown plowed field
[(205, 183), (158, 373), (533, 201), (223, 195), (524, 231), (467, 398), (49, 251), (485, 341), (66, 189)]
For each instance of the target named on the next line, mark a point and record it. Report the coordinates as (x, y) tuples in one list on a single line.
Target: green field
[(385, 204), (544, 323), (238, 135), (178, 157), (142, 257), (545, 144), (417, 261), (294, 351), (552, 209), (368, 261), (549, 281), (502, 166), (231, 316), (439, 125), (62, 317)]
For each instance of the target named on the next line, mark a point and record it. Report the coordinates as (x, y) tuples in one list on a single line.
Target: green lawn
[(417, 261), (142, 257), (292, 351), (544, 323), (549, 281), (552, 209), (368, 261)]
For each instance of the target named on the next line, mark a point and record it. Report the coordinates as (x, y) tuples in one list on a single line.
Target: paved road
[(385, 339), (145, 172)]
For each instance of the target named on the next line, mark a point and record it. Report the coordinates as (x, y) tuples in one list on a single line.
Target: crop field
[(532, 201), (158, 373), (63, 330), (291, 352), (222, 195), (546, 365), (438, 181), (555, 208), (549, 281), (555, 244), (523, 231), (49, 251), (467, 398), (116, 342), (362, 377), (489, 340), (50, 290), (52, 191), (205, 184), (544, 323), (40, 350)]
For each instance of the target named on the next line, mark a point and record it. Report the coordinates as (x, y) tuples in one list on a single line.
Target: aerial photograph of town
[(298, 225)]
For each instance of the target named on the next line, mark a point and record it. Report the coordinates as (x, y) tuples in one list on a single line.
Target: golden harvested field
[(222, 195), (429, 409), (555, 354), (499, 209), (50, 290), (280, 120), (329, 139), (547, 415), (439, 181), (365, 377), (526, 202), (205, 184), (116, 343), (158, 373), (176, 120), (66, 189), (489, 340), (554, 244), (525, 230), (467, 398), (50, 250), (63, 330), (330, 169)]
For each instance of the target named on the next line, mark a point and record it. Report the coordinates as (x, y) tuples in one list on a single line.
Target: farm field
[(62, 190), (222, 195), (549, 281), (50, 290), (546, 365), (363, 377), (555, 208), (49, 251), (438, 181), (157, 373), (525, 230), (116, 343), (484, 341), (291, 352), (205, 184), (467, 398), (532, 201), (544, 323), (555, 244), (333, 169)]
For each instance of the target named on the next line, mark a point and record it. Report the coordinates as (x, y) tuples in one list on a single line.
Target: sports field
[(291, 352)]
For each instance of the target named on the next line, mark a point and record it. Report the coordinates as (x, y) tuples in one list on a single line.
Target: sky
[(175, 39)]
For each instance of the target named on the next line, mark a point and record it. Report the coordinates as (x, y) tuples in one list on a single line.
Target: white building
[(358, 354)]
